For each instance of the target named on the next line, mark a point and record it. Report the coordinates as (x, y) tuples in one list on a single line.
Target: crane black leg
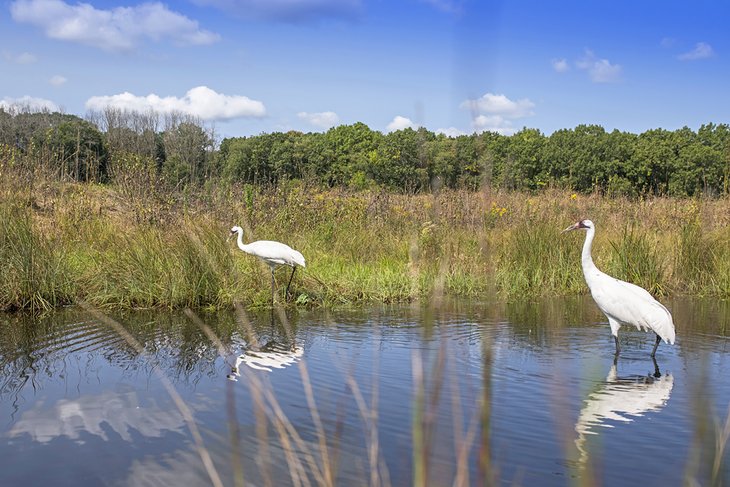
[(657, 373), (273, 285), (293, 270), (656, 344), (618, 348)]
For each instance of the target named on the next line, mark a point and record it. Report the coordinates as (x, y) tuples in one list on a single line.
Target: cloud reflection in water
[(119, 411)]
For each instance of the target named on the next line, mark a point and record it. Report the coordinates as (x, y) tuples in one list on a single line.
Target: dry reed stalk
[(169, 388), (369, 415), (326, 464), (233, 429), (721, 439), (420, 461), (463, 440), (263, 456)]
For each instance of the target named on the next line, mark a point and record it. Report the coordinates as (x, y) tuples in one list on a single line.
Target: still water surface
[(515, 394)]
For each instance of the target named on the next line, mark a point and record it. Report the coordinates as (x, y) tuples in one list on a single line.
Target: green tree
[(524, 168), (347, 150), (187, 150), (77, 149)]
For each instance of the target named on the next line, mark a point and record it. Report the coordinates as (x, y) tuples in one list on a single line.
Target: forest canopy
[(179, 150)]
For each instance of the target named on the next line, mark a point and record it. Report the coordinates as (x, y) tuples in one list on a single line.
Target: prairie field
[(133, 246)]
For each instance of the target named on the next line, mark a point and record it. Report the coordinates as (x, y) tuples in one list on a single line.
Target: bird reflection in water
[(272, 355), (276, 351), (621, 399)]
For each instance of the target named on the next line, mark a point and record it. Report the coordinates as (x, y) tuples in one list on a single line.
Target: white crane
[(274, 254), (623, 303)]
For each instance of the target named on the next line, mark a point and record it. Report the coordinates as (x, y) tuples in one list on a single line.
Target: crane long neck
[(241, 245), (586, 259)]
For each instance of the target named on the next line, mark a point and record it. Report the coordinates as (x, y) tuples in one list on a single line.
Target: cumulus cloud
[(702, 50), (288, 10), (200, 101), (400, 123), (57, 80), (560, 65), (495, 113), (22, 58), (323, 120), (600, 70), (119, 28), (493, 123), (29, 104), (450, 132), (500, 105)]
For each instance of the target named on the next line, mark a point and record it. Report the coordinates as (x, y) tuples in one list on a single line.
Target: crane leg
[(273, 285), (656, 344), (657, 373), (618, 348), (293, 270)]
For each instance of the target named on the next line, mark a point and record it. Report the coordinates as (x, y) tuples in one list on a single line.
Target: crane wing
[(276, 252), (630, 304)]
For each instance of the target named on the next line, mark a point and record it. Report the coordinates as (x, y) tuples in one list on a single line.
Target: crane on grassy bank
[(273, 254)]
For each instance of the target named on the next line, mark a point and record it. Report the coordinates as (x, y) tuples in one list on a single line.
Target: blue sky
[(452, 66)]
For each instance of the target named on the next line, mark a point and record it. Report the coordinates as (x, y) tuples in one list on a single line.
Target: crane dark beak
[(231, 234), (575, 226)]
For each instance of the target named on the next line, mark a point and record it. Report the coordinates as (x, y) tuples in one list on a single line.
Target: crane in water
[(273, 254), (623, 303)]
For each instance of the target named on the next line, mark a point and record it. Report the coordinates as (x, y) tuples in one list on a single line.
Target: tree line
[(178, 150)]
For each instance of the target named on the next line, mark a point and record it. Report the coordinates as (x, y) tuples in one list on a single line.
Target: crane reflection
[(620, 400)]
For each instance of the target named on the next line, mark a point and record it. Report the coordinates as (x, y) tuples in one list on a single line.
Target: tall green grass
[(91, 242), (536, 260), (702, 259), (637, 259), (34, 266)]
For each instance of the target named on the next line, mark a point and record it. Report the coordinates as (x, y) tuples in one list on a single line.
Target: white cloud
[(600, 70), (560, 65), (493, 123), (450, 132), (200, 101), (495, 113), (119, 28), (702, 50), (29, 103), (57, 80), (667, 42), (288, 10), (324, 120), (400, 123), (500, 105), (22, 58)]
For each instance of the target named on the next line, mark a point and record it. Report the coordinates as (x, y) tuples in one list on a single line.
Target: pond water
[(465, 393)]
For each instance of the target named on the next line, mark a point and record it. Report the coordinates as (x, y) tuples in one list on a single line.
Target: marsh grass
[(69, 241), (183, 266), (702, 257), (34, 267), (636, 259), (535, 260)]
